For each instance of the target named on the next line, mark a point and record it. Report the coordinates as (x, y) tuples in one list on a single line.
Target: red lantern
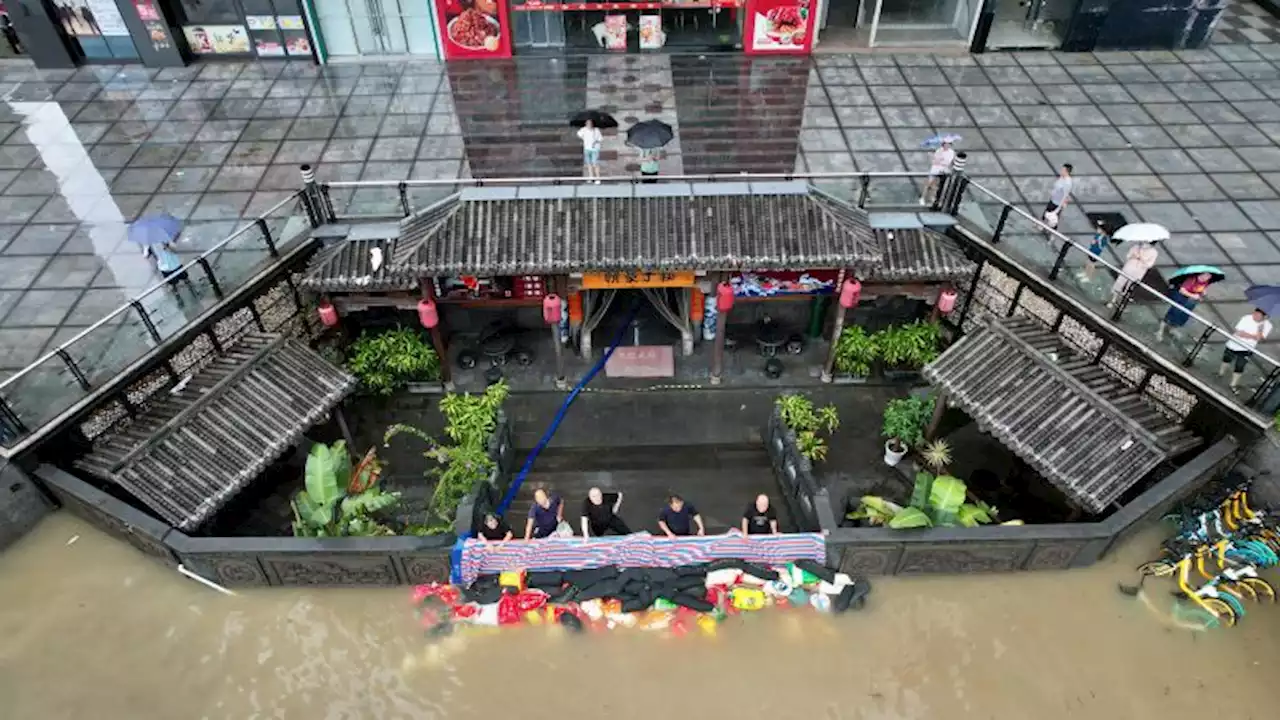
[(328, 314), (427, 313), (724, 297), (946, 301), (575, 309), (850, 292), (551, 309)]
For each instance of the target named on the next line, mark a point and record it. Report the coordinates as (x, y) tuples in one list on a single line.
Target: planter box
[(850, 379), (903, 377), (433, 387)]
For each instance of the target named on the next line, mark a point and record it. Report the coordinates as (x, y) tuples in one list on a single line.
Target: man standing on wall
[(591, 139), (679, 517)]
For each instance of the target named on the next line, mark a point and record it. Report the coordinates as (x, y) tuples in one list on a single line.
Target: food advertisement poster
[(260, 22), (217, 39), (268, 47), (615, 32), (474, 28), (651, 35), (780, 27), (297, 45), (291, 22), (90, 18)]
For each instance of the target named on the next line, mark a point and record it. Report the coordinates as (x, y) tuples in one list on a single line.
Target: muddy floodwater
[(91, 629)]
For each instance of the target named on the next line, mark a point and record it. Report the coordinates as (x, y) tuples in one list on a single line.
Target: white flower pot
[(892, 457)]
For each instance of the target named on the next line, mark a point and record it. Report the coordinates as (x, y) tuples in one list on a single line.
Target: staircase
[(719, 480)]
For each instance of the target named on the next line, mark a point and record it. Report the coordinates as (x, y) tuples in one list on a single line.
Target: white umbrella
[(1141, 232)]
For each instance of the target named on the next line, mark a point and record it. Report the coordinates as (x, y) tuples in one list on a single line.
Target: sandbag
[(683, 582), (485, 595), (530, 600), (750, 568), (698, 570), (660, 575), (722, 576), (609, 587), (747, 598), (586, 578), (818, 570), (636, 604), (692, 602), (566, 594), (545, 580)]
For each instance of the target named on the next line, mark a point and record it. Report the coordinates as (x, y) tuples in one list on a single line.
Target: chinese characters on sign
[(641, 361), (638, 279)]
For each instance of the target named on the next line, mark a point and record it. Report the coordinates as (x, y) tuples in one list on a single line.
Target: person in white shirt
[(939, 167), (1249, 330), (591, 139)]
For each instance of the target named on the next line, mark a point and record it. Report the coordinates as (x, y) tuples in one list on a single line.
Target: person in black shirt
[(679, 517), (599, 517), (760, 518), (494, 528)]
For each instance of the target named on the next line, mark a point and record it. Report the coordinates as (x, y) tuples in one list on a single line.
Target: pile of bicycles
[(1227, 543)]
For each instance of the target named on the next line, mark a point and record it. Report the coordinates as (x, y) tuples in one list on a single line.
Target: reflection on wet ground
[(93, 629)]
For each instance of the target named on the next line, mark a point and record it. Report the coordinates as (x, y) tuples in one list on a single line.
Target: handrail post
[(1267, 386), (81, 380), (403, 187), (146, 320), (266, 237), (1124, 301), (213, 280), (864, 192), (310, 196), (1004, 218), (968, 297), (1195, 349), (1062, 259)]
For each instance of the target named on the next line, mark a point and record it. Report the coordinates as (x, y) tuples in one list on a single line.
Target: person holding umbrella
[(1142, 256), (649, 137), (943, 158), (589, 124), (1186, 289)]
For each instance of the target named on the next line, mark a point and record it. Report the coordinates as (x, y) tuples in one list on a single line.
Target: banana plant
[(936, 501), (338, 501)]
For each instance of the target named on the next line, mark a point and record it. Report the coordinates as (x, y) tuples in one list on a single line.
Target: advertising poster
[(291, 22), (615, 32), (146, 11), (297, 45), (89, 18), (781, 283), (780, 27), (651, 35), (217, 39), (268, 48), (260, 22), (474, 28)]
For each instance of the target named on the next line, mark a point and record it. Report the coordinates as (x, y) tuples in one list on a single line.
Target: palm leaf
[(973, 515), (877, 510), (920, 493), (910, 517), (945, 498), (321, 481)]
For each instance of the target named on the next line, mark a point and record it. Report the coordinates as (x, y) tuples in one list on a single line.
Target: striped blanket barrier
[(637, 550)]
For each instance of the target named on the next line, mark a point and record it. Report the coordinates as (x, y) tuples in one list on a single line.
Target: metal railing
[(77, 367)]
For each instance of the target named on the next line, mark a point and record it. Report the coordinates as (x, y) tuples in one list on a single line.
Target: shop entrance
[(898, 23), (626, 27), (354, 28), (1028, 24), (661, 319)]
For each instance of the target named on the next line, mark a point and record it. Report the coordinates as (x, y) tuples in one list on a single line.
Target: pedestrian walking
[(760, 518), (1100, 240), (10, 34), (168, 264), (940, 164), (1186, 289), (599, 518), (1140, 258), (591, 139), (1059, 197), (1248, 331), (649, 164)]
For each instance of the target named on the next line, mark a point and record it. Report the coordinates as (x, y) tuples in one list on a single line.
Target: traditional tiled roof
[(347, 266), (925, 256), (1081, 428), (191, 451), (678, 226)]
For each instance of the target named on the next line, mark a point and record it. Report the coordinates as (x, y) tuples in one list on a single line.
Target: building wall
[(22, 505), (1142, 24)]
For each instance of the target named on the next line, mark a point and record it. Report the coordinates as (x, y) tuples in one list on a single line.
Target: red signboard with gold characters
[(474, 28), (780, 27)]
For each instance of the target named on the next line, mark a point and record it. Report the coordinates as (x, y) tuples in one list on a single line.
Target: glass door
[(922, 23), (538, 29), (376, 27)]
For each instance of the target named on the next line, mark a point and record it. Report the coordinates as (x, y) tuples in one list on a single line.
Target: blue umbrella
[(936, 141), (1217, 273), (152, 230), (1265, 298)]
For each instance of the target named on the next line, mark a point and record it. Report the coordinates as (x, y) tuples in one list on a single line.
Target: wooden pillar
[(437, 336), (341, 417), (939, 407)]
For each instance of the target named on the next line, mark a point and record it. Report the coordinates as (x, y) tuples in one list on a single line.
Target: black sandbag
[(442, 629), (607, 588), (484, 581), (753, 569), (693, 602), (483, 595), (722, 564), (545, 580), (636, 604), (686, 582), (586, 578), (571, 622), (660, 575), (699, 570), (841, 602), (567, 594), (820, 571)]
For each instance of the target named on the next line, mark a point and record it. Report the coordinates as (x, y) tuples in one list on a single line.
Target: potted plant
[(391, 360), (904, 423), (337, 500), (855, 352), (904, 349), (936, 501)]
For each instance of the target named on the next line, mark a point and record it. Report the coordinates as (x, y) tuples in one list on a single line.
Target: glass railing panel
[(42, 392), (896, 192)]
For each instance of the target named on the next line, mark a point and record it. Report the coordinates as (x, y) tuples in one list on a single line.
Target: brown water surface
[(92, 629)]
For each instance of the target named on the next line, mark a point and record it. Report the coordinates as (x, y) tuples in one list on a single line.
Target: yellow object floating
[(747, 598), (708, 625), (512, 580)]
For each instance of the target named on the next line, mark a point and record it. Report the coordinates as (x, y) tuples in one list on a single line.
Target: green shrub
[(905, 420), (389, 360), (806, 421), (855, 351), (909, 347)]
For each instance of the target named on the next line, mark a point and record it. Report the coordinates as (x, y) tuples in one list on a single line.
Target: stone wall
[(22, 504)]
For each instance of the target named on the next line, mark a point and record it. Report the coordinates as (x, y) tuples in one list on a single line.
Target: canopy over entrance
[(1078, 426), (190, 452), (676, 226)]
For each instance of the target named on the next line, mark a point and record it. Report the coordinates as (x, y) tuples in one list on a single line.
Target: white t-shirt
[(591, 138), (943, 158), (1247, 324)]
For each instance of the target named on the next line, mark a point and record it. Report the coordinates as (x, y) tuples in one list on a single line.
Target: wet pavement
[(1188, 139)]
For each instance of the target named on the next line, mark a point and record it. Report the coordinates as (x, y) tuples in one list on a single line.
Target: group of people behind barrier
[(600, 517)]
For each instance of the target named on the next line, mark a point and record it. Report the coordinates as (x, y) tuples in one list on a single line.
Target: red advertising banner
[(553, 5), (780, 27), (474, 28)]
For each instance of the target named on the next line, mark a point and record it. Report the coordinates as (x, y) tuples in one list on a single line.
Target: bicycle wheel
[(1158, 568), (1240, 590), (1236, 606), (1220, 610), (1260, 587)]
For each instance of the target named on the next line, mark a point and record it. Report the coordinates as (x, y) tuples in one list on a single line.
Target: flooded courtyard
[(93, 629)]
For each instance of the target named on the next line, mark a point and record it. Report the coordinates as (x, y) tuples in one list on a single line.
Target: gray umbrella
[(650, 134)]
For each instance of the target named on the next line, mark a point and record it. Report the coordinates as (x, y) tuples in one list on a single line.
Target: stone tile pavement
[(1190, 139), (1245, 21)]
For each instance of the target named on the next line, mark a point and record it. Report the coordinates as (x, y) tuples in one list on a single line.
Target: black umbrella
[(650, 134), (599, 118)]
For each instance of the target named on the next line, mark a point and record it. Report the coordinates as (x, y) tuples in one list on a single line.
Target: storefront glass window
[(98, 29), (209, 12), (1029, 24)]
